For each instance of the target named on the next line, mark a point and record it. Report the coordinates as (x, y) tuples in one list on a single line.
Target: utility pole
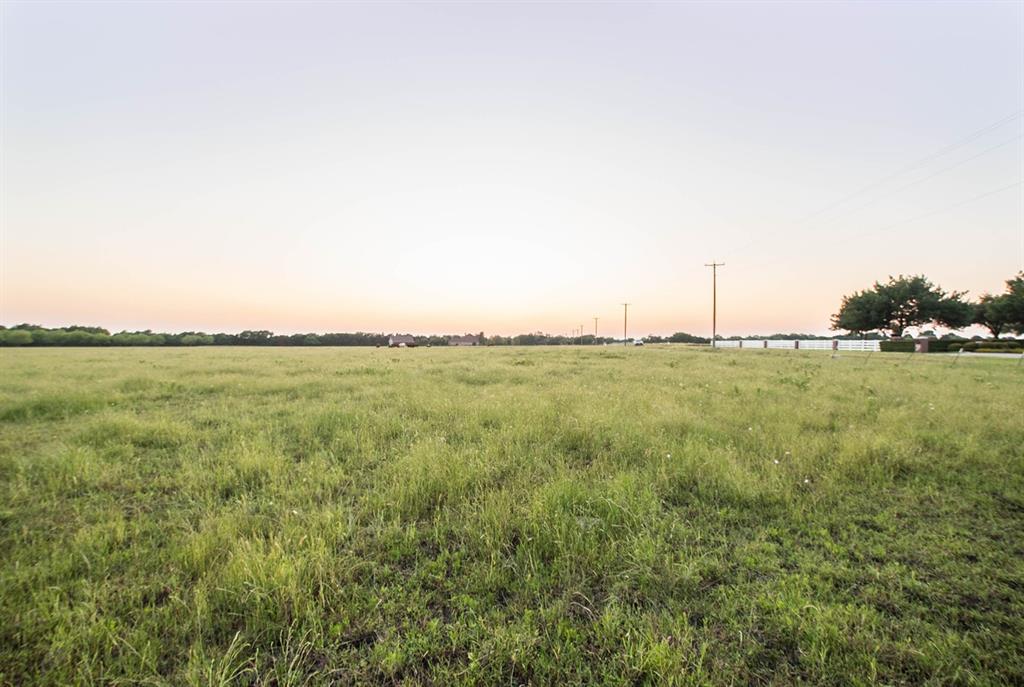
[(625, 315), (581, 335), (595, 330), (714, 299)]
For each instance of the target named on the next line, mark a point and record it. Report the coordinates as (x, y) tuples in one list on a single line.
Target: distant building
[(467, 340), (401, 341)]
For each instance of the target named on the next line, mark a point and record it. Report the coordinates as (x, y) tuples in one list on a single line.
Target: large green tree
[(900, 303), (1015, 303), (994, 313)]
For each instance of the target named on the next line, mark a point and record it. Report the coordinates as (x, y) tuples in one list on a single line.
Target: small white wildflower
[(807, 481), (787, 453), (776, 461), (295, 512), (668, 455), (750, 429)]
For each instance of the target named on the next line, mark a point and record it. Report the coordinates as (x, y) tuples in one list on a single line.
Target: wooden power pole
[(714, 299)]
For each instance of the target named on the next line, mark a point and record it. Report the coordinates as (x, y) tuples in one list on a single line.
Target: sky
[(502, 167)]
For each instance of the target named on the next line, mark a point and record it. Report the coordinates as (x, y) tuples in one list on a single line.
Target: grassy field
[(509, 516)]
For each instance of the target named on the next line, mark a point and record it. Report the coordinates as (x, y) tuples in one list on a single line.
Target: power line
[(848, 237), (903, 170), (986, 194), (928, 158), (857, 209)]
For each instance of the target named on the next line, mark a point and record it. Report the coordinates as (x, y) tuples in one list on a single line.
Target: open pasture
[(600, 515)]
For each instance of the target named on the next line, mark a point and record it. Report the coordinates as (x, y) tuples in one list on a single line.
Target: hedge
[(1010, 345), (943, 345), (897, 346), (952, 345)]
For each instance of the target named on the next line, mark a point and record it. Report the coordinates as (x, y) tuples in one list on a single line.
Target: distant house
[(401, 341), (467, 340)]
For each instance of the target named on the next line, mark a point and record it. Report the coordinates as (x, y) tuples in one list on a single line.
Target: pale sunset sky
[(505, 167)]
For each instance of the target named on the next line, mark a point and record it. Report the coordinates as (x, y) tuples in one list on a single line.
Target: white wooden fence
[(803, 344)]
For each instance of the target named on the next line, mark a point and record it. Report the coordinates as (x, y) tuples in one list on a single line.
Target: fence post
[(796, 344), (766, 343), (835, 344), (741, 343)]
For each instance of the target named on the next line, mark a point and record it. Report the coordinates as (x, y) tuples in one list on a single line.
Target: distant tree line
[(543, 339), (903, 303), (34, 335), (77, 335)]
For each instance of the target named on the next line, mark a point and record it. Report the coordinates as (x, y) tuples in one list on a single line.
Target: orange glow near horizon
[(679, 303)]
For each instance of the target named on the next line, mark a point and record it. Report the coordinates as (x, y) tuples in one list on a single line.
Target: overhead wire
[(846, 238), (836, 218), (973, 136), (914, 165)]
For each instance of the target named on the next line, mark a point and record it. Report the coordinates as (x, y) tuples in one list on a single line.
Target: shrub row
[(943, 345), (952, 346), (993, 346), (897, 346)]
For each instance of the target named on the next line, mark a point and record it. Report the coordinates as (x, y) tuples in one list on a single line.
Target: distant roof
[(402, 338), (468, 338)]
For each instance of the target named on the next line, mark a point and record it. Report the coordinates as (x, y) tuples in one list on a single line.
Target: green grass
[(509, 516)]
